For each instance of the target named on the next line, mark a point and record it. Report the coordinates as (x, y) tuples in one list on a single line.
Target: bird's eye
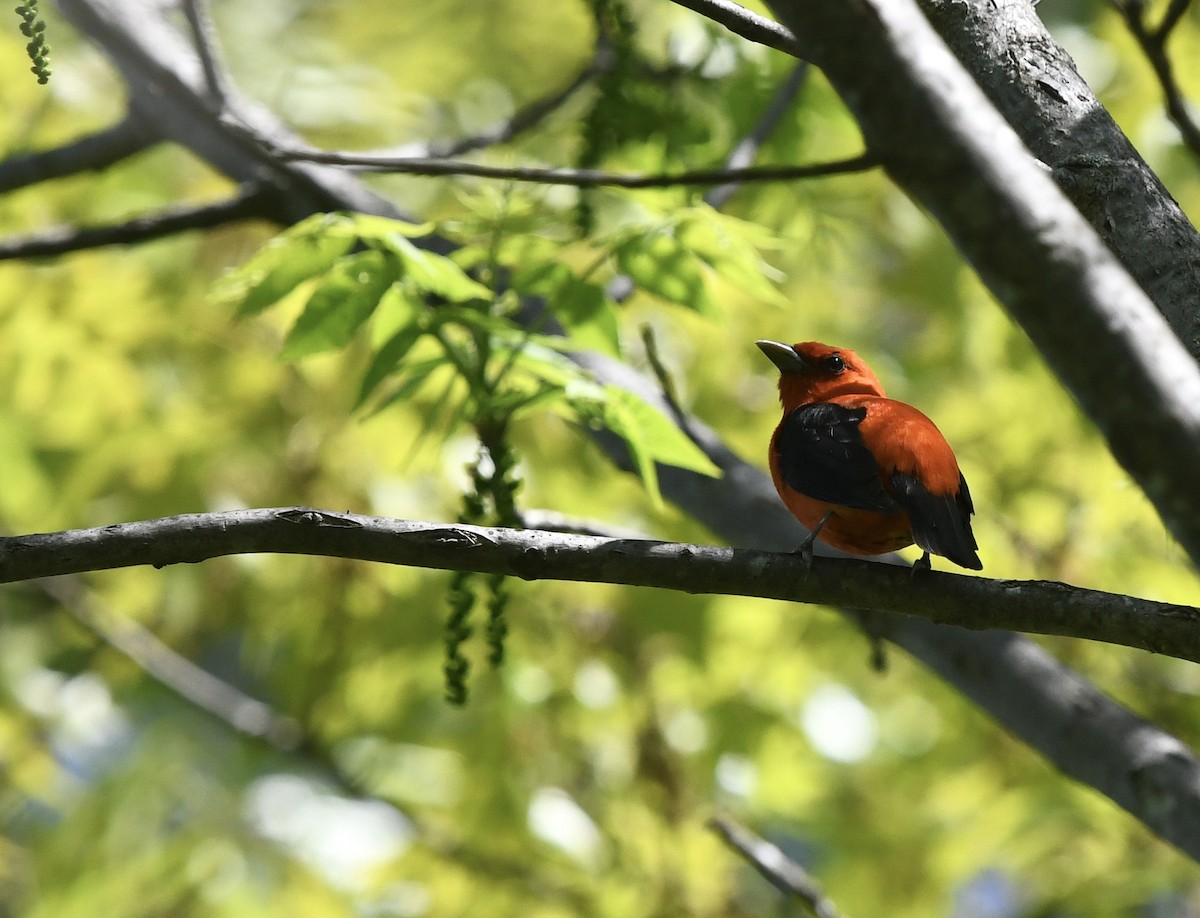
[(834, 363)]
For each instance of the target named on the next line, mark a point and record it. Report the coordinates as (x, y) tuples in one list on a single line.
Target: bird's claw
[(921, 565), (805, 552)]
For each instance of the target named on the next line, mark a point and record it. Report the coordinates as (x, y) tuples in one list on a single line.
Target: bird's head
[(812, 372)]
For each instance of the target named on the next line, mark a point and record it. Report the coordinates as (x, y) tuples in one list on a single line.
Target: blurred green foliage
[(578, 778)]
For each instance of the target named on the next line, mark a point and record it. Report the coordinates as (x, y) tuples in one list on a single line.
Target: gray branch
[(746, 150), (91, 153), (743, 22), (250, 203), (197, 686), (774, 866), (1041, 607), (580, 178), (1033, 83)]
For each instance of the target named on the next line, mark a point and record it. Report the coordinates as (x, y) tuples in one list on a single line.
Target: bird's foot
[(805, 549), (922, 564)]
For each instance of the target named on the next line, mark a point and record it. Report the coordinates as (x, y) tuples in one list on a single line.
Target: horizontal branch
[(971, 602), (251, 202), (579, 178)]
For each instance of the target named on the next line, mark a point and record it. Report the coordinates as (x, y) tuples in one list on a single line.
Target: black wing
[(941, 523), (822, 455)]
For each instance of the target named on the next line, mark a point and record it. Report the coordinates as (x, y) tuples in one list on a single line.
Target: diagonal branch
[(774, 866), (747, 148), (1041, 607), (204, 37), (1153, 42), (197, 686), (741, 21), (1033, 82), (250, 203), (526, 118), (97, 151)]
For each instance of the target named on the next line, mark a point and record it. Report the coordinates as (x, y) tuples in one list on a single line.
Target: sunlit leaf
[(585, 310), (664, 441), (408, 382), (294, 256), (346, 297), (372, 227), (388, 359), (658, 264), (731, 248), (433, 273)]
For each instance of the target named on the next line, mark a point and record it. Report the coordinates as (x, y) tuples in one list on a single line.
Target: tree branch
[(165, 81), (204, 38), (250, 203), (1153, 43), (193, 684), (774, 866), (580, 178), (526, 118), (741, 21), (745, 152), (1040, 607), (1033, 82), (96, 151)]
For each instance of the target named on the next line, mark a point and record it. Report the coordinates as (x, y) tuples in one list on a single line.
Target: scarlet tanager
[(861, 471)]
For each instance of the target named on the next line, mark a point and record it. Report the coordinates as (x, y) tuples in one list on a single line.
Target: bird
[(865, 473)]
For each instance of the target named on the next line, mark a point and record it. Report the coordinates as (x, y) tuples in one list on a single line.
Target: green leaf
[(586, 311), (650, 435), (294, 256), (660, 265), (413, 377), (433, 273), (730, 247), (388, 359), (370, 227), (346, 297), (665, 441)]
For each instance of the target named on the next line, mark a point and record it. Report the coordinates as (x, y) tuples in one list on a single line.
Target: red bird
[(867, 474)]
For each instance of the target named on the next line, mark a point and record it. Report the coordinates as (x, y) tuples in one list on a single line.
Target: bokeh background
[(578, 779)]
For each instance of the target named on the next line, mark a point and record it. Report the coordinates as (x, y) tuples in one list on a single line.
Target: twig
[(741, 21), (580, 178), (1153, 42), (1171, 18), (523, 120), (180, 675), (775, 867), (96, 151), (665, 382), (1040, 607), (204, 37), (251, 202), (747, 149)]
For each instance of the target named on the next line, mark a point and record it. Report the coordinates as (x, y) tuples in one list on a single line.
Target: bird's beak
[(784, 356)]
